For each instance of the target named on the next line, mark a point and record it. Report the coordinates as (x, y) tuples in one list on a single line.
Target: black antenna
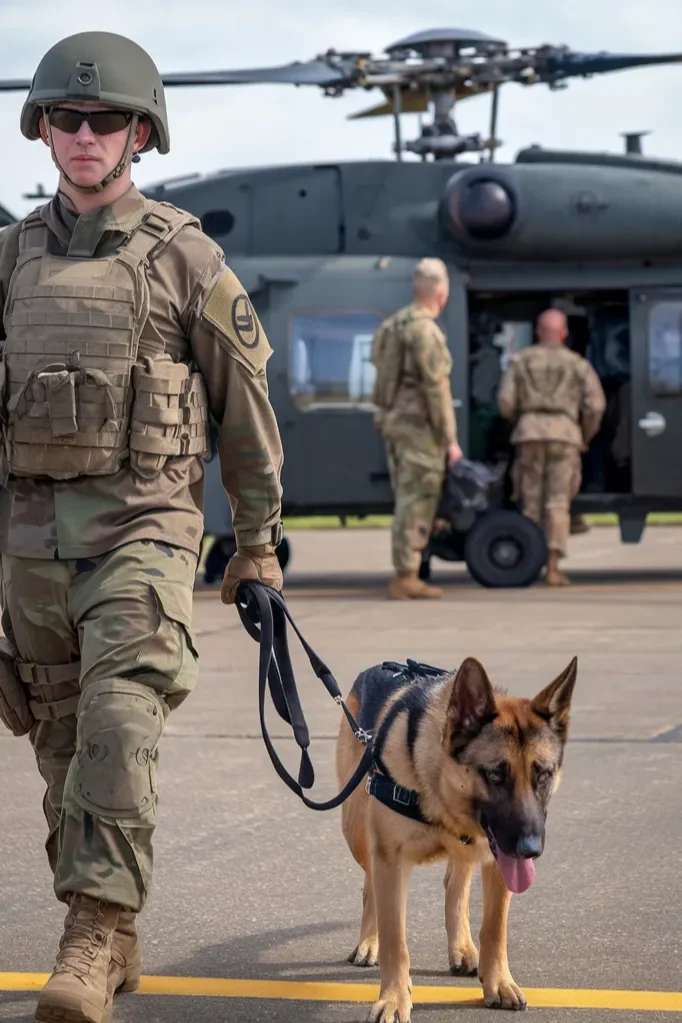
[(633, 141), (39, 193)]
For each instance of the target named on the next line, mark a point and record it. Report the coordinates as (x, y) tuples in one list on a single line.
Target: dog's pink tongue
[(518, 874)]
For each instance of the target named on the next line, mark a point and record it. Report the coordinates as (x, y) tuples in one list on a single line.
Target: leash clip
[(364, 737)]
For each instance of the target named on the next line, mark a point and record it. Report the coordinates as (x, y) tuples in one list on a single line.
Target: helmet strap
[(120, 167)]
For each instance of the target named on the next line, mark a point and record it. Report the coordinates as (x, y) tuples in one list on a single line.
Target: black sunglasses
[(102, 122)]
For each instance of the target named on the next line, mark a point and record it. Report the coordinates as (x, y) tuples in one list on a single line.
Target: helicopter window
[(665, 348), (217, 222), (329, 360)]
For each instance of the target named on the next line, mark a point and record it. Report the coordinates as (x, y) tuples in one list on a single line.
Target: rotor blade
[(312, 72), (15, 84), (565, 65)]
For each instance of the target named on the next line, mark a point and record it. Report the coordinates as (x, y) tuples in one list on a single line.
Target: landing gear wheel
[(283, 552), (505, 549), (222, 549)]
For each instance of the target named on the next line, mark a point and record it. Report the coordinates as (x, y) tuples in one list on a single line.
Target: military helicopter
[(327, 250)]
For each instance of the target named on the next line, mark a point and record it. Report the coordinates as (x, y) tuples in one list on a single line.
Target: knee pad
[(120, 724)]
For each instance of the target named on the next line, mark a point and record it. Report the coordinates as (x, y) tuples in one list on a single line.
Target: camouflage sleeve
[(434, 364), (9, 250), (592, 403), (506, 395), (231, 351)]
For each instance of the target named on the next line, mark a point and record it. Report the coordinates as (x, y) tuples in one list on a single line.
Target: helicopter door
[(656, 345), (333, 456)]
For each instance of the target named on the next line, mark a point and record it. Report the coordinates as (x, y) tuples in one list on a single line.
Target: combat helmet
[(100, 68)]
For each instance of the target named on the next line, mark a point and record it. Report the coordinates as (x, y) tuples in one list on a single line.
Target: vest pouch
[(64, 423), (169, 417)]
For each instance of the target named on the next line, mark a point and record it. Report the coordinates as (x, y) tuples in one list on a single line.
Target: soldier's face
[(85, 156)]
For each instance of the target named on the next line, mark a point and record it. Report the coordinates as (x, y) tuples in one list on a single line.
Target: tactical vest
[(388, 357), (82, 395), (549, 380)]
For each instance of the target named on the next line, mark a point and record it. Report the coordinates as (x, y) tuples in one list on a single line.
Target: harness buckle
[(364, 737), (401, 795)]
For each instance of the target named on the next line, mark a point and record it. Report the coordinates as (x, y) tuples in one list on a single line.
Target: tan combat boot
[(408, 586), (77, 991), (126, 957), (553, 576)]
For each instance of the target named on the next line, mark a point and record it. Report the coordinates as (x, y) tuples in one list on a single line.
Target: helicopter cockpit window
[(329, 360), (665, 348)]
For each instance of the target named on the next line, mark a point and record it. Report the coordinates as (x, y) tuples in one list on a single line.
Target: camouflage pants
[(105, 648), (547, 477), (417, 481)]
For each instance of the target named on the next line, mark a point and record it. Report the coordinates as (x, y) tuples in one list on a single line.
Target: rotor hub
[(446, 42)]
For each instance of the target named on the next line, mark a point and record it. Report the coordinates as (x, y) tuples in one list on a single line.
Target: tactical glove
[(259, 563)]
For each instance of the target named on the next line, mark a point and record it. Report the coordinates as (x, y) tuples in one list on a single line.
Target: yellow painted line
[(323, 991)]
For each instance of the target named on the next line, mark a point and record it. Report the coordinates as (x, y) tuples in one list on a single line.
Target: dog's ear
[(471, 706), (553, 703)]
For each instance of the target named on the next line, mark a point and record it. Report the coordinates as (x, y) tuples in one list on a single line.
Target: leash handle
[(263, 613)]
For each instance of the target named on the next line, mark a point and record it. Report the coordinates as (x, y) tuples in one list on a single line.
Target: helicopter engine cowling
[(551, 211)]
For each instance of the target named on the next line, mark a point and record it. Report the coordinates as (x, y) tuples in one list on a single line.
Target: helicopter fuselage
[(326, 251)]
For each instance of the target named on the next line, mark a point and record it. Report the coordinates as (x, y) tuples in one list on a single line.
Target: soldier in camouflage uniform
[(415, 416), (558, 403), (123, 329)]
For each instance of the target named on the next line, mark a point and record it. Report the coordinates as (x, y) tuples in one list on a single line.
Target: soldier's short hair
[(429, 272)]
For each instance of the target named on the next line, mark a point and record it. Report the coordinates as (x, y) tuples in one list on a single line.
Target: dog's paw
[(366, 953), (464, 961), (393, 1007), (502, 993)]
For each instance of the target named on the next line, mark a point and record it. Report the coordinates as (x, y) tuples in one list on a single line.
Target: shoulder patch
[(229, 309)]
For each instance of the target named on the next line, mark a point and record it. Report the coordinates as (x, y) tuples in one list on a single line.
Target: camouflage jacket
[(553, 394), (91, 515), (422, 413)]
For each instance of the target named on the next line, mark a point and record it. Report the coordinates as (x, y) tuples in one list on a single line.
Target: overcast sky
[(221, 127)]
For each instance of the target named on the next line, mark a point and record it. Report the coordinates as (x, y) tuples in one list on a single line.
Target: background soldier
[(559, 402), (416, 419), (123, 328)]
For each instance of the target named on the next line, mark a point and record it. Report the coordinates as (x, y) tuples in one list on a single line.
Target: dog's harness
[(380, 783), (263, 613)]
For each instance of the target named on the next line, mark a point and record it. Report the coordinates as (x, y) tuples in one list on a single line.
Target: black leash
[(263, 612)]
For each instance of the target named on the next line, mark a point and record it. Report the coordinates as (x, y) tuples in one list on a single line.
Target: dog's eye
[(543, 775), (494, 775)]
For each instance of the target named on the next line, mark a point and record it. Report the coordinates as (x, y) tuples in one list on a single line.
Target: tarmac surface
[(256, 900)]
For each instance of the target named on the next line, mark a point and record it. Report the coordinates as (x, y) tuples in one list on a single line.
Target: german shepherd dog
[(464, 773)]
